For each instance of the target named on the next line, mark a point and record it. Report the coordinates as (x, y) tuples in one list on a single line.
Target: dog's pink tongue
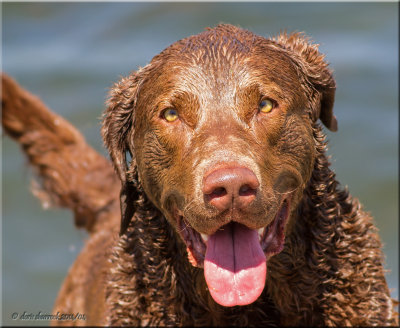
[(235, 266)]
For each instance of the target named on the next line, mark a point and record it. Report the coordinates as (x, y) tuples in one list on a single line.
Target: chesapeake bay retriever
[(230, 214)]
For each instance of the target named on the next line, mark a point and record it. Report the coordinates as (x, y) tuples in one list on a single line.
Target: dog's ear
[(313, 65), (117, 132)]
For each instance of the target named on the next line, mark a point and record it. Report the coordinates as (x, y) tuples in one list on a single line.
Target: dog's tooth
[(204, 236), (260, 231)]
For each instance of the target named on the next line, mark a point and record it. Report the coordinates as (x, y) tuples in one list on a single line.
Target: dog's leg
[(72, 174)]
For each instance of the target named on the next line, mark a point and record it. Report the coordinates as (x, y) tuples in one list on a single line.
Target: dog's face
[(220, 125)]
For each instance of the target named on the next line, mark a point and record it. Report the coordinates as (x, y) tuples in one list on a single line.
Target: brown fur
[(330, 271)]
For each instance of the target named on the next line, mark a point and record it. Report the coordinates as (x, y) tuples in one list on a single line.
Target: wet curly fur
[(329, 272)]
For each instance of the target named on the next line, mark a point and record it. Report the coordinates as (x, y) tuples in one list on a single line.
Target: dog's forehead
[(220, 47), (216, 40), (224, 63)]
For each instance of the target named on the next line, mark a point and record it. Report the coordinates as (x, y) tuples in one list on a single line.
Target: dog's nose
[(232, 187)]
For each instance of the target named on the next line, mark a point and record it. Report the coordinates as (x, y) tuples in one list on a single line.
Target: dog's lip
[(195, 244), (271, 236)]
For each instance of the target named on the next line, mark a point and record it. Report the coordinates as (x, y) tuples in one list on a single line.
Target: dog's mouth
[(234, 257)]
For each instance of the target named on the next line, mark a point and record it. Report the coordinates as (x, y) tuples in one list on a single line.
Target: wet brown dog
[(230, 213)]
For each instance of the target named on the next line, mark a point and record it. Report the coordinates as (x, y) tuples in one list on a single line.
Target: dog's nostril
[(246, 190), (218, 192)]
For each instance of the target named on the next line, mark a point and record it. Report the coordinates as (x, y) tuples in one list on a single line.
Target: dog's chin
[(234, 257)]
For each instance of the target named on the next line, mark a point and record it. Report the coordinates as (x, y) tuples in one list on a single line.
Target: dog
[(230, 213)]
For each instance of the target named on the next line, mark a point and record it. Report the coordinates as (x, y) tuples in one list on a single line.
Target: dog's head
[(218, 132)]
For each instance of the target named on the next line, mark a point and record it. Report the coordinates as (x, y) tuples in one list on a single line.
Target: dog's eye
[(170, 114), (266, 106)]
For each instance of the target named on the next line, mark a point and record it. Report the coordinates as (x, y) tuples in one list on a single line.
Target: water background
[(70, 53)]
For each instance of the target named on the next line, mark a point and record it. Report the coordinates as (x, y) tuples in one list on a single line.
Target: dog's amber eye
[(170, 115), (266, 106)]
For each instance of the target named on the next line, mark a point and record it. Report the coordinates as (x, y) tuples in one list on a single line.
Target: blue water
[(70, 53)]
